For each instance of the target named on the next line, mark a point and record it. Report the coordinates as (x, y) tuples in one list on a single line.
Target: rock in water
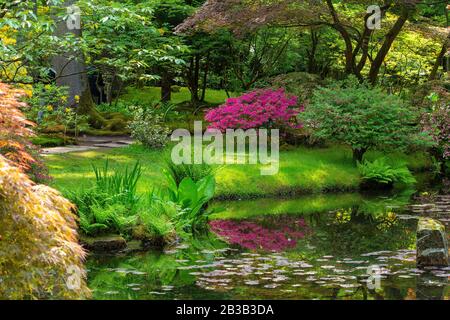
[(432, 247), (105, 243)]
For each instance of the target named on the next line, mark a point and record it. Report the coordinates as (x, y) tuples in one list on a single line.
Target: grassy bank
[(302, 171), (149, 95)]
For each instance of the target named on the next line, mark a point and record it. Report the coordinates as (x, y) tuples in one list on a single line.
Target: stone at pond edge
[(432, 247), (104, 243)]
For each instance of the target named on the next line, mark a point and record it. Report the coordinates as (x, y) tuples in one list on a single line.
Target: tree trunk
[(345, 36), (312, 63), (192, 77), (205, 77), (440, 59), (71, 72), (195, 81), (358, 154), (389, 39), (166, 87)]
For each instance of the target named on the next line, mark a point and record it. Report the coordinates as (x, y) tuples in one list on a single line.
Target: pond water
[(344, 246)]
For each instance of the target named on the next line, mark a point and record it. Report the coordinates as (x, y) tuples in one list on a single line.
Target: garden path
[(86, 143)]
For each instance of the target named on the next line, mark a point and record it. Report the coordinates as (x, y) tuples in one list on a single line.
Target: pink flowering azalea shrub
[(253, 236), (263, 108)]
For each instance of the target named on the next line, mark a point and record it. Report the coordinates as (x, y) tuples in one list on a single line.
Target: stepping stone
[(95, 141), (109, 145), (105, 243), (432, 246), (67, 149), (126, 142)]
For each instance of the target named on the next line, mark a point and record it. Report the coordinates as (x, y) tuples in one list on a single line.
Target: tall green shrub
[(363, 118)]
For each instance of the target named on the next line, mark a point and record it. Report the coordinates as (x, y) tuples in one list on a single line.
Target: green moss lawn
[(302, 171), (148, 95)]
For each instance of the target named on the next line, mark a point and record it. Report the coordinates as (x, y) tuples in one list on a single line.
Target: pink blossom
[(264, 108)]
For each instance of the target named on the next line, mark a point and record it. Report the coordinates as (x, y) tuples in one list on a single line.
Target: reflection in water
[(279, 236), (324, 255)]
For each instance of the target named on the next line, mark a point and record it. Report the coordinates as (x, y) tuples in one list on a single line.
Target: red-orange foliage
[(14, 128)]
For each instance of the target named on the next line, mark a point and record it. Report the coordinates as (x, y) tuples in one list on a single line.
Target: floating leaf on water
[(181, 261), (138, 273), (276, 271), (349, 285), (443, 275), (341, 270), (280, 278), (377, 253), (305, 265), (122, 270), (112, 292), (311, 278), (133, 284), (170, 251), (360, 268), (355, 261), (327, 267), (157, 293), (283, 263)]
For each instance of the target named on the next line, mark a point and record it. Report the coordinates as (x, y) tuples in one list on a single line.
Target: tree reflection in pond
[(352, 231)]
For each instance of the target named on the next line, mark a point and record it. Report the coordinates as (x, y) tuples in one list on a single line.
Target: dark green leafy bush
[(363, 118)]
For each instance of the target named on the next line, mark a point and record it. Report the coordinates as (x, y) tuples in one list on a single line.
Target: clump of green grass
[(121, 185), (196, 172)]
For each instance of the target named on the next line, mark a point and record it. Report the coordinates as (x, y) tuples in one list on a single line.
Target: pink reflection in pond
[(251, 235)]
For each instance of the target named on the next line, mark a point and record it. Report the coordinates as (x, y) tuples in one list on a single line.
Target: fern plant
[(111, 204), (381, 172)]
